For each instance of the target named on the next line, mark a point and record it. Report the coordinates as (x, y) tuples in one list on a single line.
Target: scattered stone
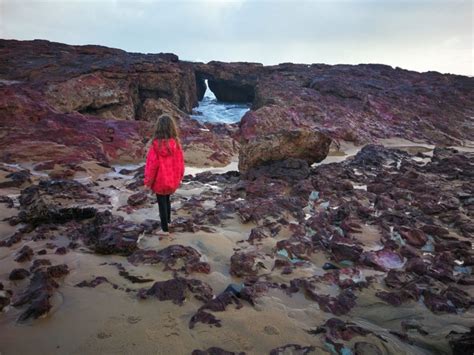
[(24, 254), (293, 348), (109, 234), (61, 251), (93, 283), (170, 256), (138, 199), (18, 274), (215, 351), (177, 290)]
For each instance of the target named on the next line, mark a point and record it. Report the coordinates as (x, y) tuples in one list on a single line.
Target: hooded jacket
[(164, 168)]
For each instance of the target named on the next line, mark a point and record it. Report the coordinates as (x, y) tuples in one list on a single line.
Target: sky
[(419, 35)]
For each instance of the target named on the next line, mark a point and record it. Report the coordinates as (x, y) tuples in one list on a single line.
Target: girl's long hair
[(166, 128)]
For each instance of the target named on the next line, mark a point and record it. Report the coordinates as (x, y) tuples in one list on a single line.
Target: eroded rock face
[(102, 80), (311, 146)]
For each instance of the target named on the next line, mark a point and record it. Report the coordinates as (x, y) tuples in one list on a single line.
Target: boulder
[(311, 146)]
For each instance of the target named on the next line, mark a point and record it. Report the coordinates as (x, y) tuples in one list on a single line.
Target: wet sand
[(111, 321)]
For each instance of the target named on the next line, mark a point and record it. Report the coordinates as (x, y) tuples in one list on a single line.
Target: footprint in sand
[(170, 326), (103, 335), (271, 330), (133, 320)]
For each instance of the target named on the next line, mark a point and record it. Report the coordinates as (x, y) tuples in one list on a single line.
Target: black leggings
[(164, 206)]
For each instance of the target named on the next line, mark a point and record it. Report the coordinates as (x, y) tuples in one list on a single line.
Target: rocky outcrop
[(363, 103), (33, 131), (98, 80), (68, 104)]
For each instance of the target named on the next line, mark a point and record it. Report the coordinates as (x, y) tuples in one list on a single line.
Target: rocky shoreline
[(294, 253)]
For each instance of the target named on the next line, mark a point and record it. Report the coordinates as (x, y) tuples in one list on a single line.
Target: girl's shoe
[(163, 234)]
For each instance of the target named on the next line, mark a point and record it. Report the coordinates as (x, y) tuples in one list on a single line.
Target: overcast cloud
[(418, 34)]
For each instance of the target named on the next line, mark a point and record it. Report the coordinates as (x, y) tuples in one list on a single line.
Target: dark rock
[(413, 237), (293, 348), (458, 297), (204, 317), (462, 343), (170, 256), (242, 264), (289, 169), (13, 239), (176, 290), (345, 252), (39, 264), (138, 199), (109, 234), (93, 283), (16, 179), (24, 254), (57, 201), (7, 200), (61, 251), (336, 329), (437, 303), (258, 234), (220, 302), (18, 274), (329, 266), (57, 271), (215, 351), (37, 295)]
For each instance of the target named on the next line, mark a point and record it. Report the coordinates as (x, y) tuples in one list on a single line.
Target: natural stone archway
[(230, 82), (231, 91), (225, 90)]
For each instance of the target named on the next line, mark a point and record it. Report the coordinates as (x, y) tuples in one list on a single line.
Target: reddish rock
[(413, 237), (177, 290), (138, 199), (242, 264), (170, 256), (311, 146), (109, 234), (38, 293), (362, 103), (57, 271)]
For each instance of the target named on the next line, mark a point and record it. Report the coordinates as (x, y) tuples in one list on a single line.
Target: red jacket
[(164, 168)]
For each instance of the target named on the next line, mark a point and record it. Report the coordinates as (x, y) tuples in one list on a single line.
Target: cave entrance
[(214, 110)]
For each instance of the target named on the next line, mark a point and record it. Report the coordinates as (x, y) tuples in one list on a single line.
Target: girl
[(164, 167)]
